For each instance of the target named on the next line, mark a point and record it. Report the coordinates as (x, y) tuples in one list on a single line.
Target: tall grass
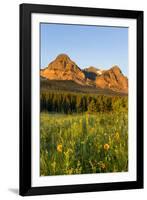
[(83, 143)]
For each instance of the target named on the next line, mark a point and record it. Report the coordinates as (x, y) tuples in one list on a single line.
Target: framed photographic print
[(81, 99)]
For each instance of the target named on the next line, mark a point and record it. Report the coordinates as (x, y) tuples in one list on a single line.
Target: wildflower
[(102, 165), (70, 171), (46, 151), (116, 136), (106, 147), (59, 147)]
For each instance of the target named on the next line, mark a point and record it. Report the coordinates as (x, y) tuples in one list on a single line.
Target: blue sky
[(96, 46)]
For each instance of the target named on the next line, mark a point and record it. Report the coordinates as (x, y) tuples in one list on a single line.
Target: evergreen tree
[(92, 107), (64, 102), (79, 104)]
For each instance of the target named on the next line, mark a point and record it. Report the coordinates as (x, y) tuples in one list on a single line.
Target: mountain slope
[(113, 79), (90, 72), (71, 86), (64, 69)]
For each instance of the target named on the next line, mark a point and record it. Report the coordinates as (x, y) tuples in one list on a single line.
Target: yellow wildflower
[(59, 147), (102, 165), (116, 136), (106, 147)]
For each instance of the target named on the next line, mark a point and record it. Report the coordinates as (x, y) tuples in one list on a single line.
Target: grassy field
[(83, 143)]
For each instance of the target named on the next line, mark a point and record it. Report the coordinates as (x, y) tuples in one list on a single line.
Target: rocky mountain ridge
[(63, 68)]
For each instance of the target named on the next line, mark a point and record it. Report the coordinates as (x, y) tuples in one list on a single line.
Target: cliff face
[(63, 68), (113, 79)]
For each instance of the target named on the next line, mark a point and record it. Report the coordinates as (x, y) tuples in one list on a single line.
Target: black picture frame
[(25, 187)]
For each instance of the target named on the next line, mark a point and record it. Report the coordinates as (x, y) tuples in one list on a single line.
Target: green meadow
[(81, 143)]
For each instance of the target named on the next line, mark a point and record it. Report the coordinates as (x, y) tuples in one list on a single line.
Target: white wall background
[(9, 100)]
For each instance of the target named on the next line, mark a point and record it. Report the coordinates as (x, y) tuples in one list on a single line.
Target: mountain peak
[(113, 79), (116, 69), (63, 62), (91, 69), (63, 68), (62, 56), (90, 72)]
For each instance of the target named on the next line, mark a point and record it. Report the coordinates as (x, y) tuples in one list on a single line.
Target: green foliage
[(82, 133), (83, 143), (92, 107), (67, 102), (67, 85)]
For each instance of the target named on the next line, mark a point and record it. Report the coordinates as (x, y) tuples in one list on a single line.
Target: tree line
[(68, 103)]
